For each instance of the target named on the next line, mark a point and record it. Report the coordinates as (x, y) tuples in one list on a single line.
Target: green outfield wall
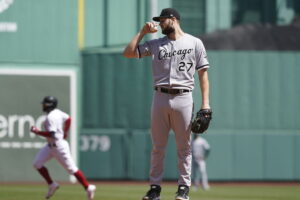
[(239, 155), (254, 135), (39, 32)]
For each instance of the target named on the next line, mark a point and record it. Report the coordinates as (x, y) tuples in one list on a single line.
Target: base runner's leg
[(90, 189), (41, 158), (45, 174), (63, 156), (81, 179)]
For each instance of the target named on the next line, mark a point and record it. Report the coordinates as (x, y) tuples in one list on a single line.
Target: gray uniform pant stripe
[(171, 112)]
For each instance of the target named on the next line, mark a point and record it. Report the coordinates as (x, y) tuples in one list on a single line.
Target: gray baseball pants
[(171, 112)]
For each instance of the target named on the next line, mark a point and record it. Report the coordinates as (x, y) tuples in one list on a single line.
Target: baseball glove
[(201, 121)]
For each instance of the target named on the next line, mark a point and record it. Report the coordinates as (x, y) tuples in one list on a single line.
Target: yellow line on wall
[(81, 24)]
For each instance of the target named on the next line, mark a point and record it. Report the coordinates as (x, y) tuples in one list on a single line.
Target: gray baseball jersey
[(200, 145), (187, 54)]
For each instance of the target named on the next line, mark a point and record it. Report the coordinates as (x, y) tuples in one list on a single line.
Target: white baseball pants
[(61, 152)]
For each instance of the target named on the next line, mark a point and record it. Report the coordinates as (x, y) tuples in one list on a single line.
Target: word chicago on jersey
[(164, 53)]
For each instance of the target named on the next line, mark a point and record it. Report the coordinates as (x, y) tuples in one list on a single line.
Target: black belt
[(51, 145), (171, 91)]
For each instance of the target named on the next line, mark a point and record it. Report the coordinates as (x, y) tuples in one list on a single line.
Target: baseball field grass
[(135, 191)]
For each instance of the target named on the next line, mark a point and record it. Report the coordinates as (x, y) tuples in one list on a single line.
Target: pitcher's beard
[(168, 30)]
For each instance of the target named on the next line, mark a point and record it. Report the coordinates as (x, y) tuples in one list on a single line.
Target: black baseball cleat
[(182, 193), (153, 193)]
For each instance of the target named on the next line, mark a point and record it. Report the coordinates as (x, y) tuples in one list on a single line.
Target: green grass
[(129, 191)]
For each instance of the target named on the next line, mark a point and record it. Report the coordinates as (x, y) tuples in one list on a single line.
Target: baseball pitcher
[(175, 59)]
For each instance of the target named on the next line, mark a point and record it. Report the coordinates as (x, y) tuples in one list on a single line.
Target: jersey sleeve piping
[(202, 67)]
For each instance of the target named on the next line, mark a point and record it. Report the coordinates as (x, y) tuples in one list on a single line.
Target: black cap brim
[(156, 19)]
